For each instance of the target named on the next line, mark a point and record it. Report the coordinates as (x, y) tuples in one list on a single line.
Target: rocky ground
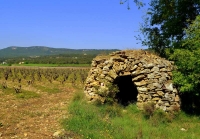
[(34, 118)]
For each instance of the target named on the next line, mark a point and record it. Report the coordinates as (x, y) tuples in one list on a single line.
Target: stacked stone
[(151, 75)]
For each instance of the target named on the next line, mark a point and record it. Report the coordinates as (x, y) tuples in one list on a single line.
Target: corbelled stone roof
[(151, 74)]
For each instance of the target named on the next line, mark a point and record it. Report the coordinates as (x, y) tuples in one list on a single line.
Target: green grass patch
[(53, 65), (117, 122), (85, 120), (49, 90), (24, 94), (8, 90), (5, 65)]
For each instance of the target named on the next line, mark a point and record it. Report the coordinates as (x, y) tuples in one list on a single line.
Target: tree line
[(53, 59)]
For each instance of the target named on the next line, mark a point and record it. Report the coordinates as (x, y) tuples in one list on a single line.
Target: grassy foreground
[(96, 121)]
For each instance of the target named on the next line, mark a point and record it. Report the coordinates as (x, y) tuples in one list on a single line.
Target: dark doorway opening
[(127, 90)]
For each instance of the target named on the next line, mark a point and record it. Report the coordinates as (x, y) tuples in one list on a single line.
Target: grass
[(116, 122), (27, 94), (49, 89), (52, 65), (24, 94), (4, 65)]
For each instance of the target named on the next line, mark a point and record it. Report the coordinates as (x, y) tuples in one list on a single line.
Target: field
[(33, 100), (48, 65), (41, 103)]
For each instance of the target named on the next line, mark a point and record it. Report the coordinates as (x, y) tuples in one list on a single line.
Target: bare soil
[(34, 118)]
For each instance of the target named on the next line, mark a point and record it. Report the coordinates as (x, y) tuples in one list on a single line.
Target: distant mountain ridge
[(32, 51)]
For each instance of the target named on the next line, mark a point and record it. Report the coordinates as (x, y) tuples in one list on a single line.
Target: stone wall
[(151, 75)]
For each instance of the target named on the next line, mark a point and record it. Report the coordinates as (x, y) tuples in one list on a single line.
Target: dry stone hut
[(132, 76)]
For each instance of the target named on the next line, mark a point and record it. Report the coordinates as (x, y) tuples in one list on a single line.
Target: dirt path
[(35, 118)]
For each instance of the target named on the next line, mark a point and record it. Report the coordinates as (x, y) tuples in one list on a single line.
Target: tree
[(187, 73), (165, 21), (172, 29), (138, 3)]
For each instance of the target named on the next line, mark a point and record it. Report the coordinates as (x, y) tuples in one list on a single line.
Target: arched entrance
[(127, 90)]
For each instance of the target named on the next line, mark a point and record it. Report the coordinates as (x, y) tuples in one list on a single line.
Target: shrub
[(148, 109), (159, 117), (97, 102), (113, 111), (109, 92), (78, 96)]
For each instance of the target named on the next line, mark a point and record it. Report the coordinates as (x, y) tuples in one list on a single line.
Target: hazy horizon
[(55, 47)]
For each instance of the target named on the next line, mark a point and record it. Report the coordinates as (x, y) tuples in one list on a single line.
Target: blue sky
[(75, 24)]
